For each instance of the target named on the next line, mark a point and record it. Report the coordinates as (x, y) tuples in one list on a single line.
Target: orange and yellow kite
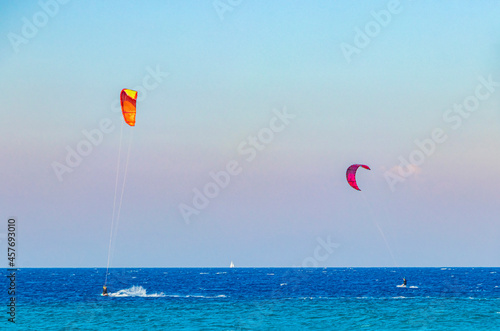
[(128, 100)]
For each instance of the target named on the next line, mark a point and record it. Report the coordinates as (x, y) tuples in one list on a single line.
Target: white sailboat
[(231, 265)]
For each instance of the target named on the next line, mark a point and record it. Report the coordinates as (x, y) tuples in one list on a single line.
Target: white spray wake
[(135, 291)]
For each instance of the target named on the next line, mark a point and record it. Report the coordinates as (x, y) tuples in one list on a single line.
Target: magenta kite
[(351, 174)]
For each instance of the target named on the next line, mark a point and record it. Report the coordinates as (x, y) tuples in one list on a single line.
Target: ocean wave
[(197, 296), (379, 298)]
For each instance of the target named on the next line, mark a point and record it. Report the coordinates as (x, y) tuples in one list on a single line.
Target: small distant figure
[(404, 281), (104, 291)]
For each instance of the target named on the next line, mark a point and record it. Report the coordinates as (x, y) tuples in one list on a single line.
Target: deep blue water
[(256, 299)]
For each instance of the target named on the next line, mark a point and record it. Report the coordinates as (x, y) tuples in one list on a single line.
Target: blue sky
[(220, 79)]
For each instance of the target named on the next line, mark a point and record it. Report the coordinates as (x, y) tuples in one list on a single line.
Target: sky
[(249, 113)]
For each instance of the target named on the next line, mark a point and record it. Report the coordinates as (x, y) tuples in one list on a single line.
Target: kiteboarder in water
[(404, 281), (128, 101)]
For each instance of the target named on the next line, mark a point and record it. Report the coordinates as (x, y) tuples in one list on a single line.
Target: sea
[(252, 299)]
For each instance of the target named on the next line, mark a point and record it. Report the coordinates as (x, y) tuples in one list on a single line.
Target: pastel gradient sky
[(223, 75)]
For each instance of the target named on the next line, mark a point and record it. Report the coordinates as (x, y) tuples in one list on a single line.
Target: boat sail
[(231, 265)]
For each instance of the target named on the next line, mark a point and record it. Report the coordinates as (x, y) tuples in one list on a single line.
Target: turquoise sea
[(255, 299)]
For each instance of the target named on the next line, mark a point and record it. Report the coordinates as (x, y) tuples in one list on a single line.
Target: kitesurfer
[(104, 291), (404, 281)]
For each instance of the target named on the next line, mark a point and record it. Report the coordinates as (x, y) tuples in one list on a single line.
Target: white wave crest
[(196, 296)]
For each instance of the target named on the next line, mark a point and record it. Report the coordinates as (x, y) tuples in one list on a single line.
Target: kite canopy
[(128, 100), (351, 174)]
